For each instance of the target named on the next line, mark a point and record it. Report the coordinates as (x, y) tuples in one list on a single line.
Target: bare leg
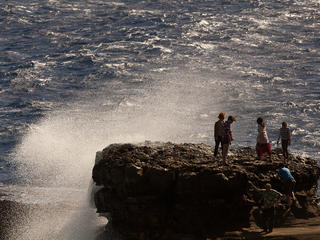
[(289, 201)]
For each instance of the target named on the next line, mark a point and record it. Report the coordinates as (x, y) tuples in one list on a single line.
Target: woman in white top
[(263, 145)]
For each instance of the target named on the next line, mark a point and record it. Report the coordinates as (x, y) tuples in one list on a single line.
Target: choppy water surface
[(78, 75)]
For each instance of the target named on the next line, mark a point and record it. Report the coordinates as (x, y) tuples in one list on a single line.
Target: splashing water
[(57, 153)]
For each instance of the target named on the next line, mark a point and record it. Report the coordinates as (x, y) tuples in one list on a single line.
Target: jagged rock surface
[(166, 190)]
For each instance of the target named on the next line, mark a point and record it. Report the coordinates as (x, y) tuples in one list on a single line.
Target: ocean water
[(76, 76)]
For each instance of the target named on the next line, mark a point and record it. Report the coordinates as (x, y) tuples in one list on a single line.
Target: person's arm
[(277, 195), (216, 131), (259, 134), (289, 137), (254, 187), (279, 173), (279, 137)]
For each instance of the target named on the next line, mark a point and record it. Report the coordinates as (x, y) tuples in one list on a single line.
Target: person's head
[(231, 119), (282, 165), (268, 186), (222, 115), (284, 125), (260, 121)]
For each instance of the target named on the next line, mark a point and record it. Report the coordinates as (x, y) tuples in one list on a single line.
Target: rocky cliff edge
[(166, 191)]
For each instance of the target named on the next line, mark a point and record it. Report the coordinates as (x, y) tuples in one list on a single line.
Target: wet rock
[(160, 190)]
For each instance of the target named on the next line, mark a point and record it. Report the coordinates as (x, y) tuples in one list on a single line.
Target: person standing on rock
[(285, 136), (288, 182), (263, 145), (227, 137), (270, 198), (218, 132)]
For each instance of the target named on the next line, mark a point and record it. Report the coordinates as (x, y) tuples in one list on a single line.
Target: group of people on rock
[(223, 137)]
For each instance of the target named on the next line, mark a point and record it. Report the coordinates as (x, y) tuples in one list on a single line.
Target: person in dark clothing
[(218, 132), (285, 136), (227, 137)]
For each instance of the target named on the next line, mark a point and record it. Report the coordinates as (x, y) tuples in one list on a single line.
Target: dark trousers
[(216, 147), (268, 215), (284, 144)]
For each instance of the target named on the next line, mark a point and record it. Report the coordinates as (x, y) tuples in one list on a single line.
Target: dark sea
[(77, 75)]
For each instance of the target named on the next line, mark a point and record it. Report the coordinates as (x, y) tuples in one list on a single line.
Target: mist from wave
[(58, 152)]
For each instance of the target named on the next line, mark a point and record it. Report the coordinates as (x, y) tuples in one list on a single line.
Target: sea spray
[(58, 151), (57, 221)]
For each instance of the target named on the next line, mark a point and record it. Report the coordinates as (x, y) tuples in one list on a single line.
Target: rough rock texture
[(172, 191)]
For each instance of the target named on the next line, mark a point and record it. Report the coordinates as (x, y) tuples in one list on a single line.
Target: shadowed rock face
[(162, 190)]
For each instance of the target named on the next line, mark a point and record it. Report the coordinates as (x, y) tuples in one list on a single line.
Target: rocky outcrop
[(166, 191)]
